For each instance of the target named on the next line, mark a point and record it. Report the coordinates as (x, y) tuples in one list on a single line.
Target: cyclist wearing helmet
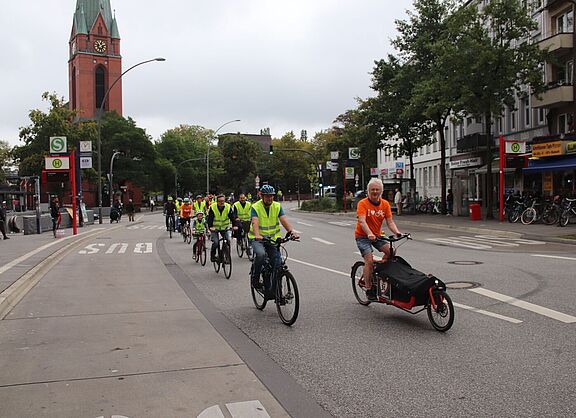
[(178, 204), (242, 211), (220, 216), (199, 204), (266, 216), (185, 211), (170, 211)]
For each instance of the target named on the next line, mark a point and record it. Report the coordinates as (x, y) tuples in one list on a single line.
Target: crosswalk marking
[(162, 227), (484, 242), (553, 256), (304, 223), (559, 316), (483, 312), (322, 241), (340, 223)]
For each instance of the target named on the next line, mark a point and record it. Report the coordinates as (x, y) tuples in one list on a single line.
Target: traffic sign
[(354, 153), (57, 163), (86, 146), (85, 162), (515, 147), (349, 173), (58, 145)]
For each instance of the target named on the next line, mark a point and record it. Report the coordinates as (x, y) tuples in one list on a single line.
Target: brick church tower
[(95, 61)]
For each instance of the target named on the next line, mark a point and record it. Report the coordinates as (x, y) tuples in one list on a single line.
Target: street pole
[(111, 176), (99, 121), (208, 154)]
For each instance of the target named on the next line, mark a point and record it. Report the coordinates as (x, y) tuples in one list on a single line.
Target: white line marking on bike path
[(322, 241), (559, 316), (553, 256), (320, 267), (17, 261), (304, 223), (483, 312)]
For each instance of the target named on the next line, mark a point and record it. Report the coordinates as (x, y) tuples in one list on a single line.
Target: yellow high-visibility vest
[(221, 220), (269, 223), (243, 212)]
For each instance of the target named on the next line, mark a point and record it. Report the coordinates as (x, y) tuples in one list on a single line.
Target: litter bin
[(475, 214)]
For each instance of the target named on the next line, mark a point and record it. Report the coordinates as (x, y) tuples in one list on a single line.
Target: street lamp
[(111, 176), (176, 171), (208, 154), (99, 119)]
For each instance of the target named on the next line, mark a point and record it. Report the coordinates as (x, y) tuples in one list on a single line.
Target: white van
[(327, 191)]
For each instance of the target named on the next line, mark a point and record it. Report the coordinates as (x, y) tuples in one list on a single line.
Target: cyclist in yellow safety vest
[(220, 216), (242, 211), (199, 204), (178, 204), (266, 216)]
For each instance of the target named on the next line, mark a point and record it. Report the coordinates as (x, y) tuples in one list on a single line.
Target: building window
[(435, 145), (541, 115), (527, 113), (512, 120), (565, 22), (100, 87), (427, 149), (569, 72), (562, 123)]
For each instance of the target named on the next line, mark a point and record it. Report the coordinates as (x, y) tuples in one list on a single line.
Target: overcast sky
[(283, 64)]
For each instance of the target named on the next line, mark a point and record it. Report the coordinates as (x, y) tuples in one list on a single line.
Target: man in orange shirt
[(371, 213)]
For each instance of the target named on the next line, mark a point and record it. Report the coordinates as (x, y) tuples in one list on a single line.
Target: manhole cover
[(465, 263), (462, 285)]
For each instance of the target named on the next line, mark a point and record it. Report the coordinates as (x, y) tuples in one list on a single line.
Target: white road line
[(483, 312), (340, 223), (304, 223), (322, 241), (559, 316), (298, 232), (17, 261), (553, 256), (459, 243), (320, 267), (248, 409)]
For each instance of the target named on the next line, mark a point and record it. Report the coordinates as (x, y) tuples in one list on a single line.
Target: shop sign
[(384, 171), (399, 165), (571, 148), (467, 162), (373, 171), (547, 149)]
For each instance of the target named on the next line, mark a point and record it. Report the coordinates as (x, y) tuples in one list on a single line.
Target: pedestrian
[(55, 214), (449, 202), (3, 219), (130, 210), (152, 203), (398, 202)]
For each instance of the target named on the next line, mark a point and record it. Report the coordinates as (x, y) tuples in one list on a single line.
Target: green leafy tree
[(5, 158), (497, 62), (239, 156)]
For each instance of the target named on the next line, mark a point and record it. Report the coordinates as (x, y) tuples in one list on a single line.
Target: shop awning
[(556, 164), (495, 168)]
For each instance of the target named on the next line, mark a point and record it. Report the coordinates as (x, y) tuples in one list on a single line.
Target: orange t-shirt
[(186, 210), (374, 214)]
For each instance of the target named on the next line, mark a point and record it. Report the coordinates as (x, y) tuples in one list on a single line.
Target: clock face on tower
[(100, 46)]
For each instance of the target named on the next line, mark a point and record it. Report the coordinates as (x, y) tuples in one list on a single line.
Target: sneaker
[(371, 294), (213, 259)]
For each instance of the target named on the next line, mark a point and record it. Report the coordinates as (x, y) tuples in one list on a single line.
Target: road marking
[(320, 267), (559, 316), (143, 248), (484, 242), (460, 243), (304, 223), (340, 223), (248, 409), (483, 312), (91, 248), (298, 232), (123, 247), (13, 263), (553, 256), (322, 241)]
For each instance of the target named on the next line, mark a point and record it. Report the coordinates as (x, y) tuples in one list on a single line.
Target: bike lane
[(111, 332)]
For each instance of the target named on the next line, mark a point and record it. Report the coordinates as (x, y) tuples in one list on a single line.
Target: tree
[(5, 158), (239, 156), (433, 92), (497, 62)]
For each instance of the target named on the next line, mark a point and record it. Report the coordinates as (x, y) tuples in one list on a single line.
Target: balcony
[(558, 43), (557, 95)]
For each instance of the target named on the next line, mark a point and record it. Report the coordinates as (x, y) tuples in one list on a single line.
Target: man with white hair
[(371, 214)]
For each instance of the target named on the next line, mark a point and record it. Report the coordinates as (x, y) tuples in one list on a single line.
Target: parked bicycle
[(568, 211), (277, 284), (400, 285), (223, 258)]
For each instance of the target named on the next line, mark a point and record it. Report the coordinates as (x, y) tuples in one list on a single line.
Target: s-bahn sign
[(57, 163), (58, 145)]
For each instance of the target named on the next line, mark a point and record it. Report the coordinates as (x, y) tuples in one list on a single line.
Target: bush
[(323, 205)]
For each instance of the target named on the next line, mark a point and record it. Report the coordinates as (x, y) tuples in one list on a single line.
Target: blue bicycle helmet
[(267, 189)]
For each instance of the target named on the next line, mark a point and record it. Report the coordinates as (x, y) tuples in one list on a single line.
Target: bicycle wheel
[(240, 246), (356, 275), (551, 215), (287, 298), (442, 317), (203, 253), (226, 260), (196, 251), (258, 295), (170, 226), (564, 218), (184, 237), (528, 216), (514, 216), (188, 235)]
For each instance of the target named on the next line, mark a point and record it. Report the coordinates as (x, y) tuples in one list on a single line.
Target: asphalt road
[(498, 359)]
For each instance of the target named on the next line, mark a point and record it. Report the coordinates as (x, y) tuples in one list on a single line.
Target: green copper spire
[(87, 12)]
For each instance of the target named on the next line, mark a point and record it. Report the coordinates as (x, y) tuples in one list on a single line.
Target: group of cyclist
[(214, 214)]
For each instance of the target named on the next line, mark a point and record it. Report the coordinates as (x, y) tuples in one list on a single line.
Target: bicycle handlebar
[(396, 238), (287, 237)]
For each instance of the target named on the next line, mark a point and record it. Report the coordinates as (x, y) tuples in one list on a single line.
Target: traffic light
[(271, 150)]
